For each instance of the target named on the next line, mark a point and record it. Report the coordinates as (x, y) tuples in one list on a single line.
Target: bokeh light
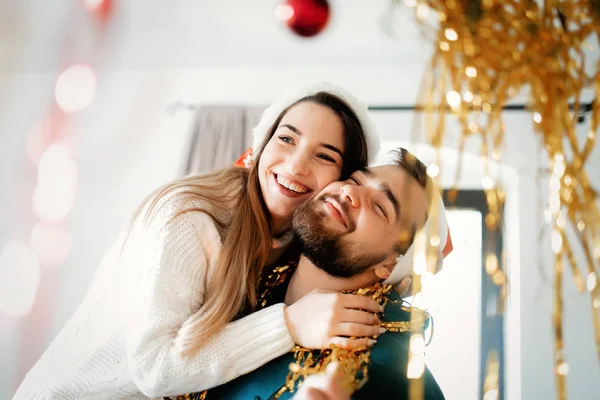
[(75, 88)]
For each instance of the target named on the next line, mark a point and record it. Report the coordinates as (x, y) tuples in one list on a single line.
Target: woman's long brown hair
[(246, 237)]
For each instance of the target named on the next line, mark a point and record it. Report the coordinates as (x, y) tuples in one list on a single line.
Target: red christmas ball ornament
[(305, 18), (102, 8)]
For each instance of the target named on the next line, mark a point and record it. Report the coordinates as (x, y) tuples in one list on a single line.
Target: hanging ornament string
[(485, 53)]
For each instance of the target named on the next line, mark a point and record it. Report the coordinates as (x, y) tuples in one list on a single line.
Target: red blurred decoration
[(448, 247), (245, 161), (102, 8), (305, 18)]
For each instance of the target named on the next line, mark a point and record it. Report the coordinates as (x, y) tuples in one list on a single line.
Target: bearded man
[(357, 237)]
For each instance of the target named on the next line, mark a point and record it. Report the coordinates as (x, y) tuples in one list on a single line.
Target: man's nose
[(352, 194)]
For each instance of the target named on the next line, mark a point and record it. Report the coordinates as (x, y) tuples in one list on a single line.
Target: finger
[(332, 368), (404, 287), (318, 382), (356, 330), (334, 371), (347, 343), (323, 386), (334, 389), (312, 394), (359, 317), (358, 302)]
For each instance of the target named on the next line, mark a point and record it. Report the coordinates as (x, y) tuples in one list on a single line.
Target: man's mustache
[(345, 208)]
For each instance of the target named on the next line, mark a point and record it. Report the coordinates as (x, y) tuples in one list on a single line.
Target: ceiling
[(195, 33)]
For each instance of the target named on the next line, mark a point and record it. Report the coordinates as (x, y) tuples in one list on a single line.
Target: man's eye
[(381, 209), (354, 180)]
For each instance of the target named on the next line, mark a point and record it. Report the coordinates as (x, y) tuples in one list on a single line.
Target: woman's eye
[(286, 139), (326, 158)]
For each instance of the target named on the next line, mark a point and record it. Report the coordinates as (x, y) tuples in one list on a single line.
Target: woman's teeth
[(291, 186)]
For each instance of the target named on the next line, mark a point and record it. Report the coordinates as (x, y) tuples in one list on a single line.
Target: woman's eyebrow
[(326, 145), (332, 148)]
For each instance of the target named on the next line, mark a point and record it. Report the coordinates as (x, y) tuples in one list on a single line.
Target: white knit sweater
[(122, 342)]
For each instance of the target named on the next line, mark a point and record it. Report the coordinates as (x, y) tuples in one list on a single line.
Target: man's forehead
[(390, 174), (395, 180)]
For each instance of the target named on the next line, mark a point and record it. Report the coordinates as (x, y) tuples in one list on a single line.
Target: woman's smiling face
[(304, 155)]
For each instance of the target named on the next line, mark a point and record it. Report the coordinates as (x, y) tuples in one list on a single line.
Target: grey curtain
[(219, 136)]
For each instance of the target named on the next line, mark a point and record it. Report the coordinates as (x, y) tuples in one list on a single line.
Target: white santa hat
[(435, 225), (360, 109)]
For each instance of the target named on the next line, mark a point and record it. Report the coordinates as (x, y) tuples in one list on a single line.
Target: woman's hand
[(322, 387), (321, 319)]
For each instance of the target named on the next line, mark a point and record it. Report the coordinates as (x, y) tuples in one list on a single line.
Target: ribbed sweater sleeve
[(166, 266)]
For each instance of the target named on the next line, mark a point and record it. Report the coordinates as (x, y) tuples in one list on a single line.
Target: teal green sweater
[(387, 371)]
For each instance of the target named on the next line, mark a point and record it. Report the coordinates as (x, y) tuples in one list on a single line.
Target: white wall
[(453, 299), (127, 144)]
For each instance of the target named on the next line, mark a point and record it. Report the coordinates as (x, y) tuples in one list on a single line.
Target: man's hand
[(404, 287), (323, 387), (321, 319)]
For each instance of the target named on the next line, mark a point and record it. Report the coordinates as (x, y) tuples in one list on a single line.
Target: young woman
[(169, 311)]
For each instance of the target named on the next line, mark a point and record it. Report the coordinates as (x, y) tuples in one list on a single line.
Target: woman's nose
[(299, 163)]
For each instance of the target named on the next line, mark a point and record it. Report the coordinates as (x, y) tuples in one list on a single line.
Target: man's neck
[(309, 277)]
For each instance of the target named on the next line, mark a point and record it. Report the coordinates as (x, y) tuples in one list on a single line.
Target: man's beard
[(326, 249)]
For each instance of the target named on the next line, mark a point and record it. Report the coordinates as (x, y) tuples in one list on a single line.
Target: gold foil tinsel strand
[(485, 53)]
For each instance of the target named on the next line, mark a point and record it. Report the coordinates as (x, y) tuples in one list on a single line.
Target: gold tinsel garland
[(353, 363), (486, 52)]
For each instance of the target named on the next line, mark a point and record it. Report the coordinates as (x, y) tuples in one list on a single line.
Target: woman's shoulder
[(193, 210), (171, 239), (174, 219), (174, 203)]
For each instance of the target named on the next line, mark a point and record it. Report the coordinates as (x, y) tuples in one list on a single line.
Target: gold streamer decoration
[(485, 53), (416, 355), (353, 363), (492, 376)]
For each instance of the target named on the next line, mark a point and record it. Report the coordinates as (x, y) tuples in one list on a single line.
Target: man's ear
[(384, 268)]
